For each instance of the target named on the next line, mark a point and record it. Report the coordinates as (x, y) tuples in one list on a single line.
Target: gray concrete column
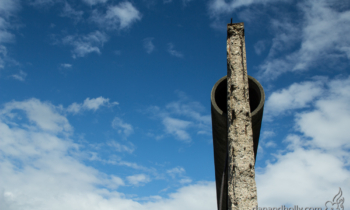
[(242, 193)]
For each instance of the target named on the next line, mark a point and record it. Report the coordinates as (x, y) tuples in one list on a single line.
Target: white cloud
[(177, 171), (8, 8), (220, 7), (260, 47), (114, 160), (287, 35), (5, 35), (298, 95), (66, 65), (302, 177), (115, 182), (20, 76), (148, 45), (43, 115), (120, 147), (173, 52), (39, 172), (328, 123), (177, 127), (93, 2), (122, 127), (117, 17), (185, 181), (138, 179), (35, 161), (265, 140), (191, 109), (315, 162), (183, 108), (200, 196), (42, 3), (267, 134), (185, 2), (321, 36), (85, 44), (70, 12), (90, 104), (95, 103), (270, 144), (3, 56)]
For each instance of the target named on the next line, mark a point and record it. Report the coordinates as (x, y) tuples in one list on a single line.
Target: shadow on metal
[(219, 125)]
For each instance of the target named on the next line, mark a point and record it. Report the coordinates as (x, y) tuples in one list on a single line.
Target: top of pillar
[(238, 24)]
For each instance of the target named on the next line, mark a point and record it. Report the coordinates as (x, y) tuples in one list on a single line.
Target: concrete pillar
[(242, 193)]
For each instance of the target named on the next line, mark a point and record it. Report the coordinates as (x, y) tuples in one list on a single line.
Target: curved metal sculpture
[(219, 124)]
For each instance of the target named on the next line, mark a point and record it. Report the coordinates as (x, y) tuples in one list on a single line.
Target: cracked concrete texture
[(242, 193)]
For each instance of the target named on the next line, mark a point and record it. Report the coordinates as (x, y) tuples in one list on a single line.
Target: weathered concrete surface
[(242, 193)]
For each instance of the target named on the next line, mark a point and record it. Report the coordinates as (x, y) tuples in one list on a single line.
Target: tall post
[(242, 193)]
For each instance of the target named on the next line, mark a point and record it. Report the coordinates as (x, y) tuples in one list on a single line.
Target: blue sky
[(105, 104)]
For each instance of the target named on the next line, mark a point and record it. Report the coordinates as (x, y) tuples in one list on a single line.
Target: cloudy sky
[(105, 104)]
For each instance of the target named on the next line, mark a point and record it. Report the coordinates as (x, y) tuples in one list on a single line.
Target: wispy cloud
[(173, 52), (148, 45), (260, 47), (42, 115), (221, 7), (327, 123), (122, 127), (5, 35), (70, 12), (191, 109), (267, 134), (177, 171), (90, 104), (8, 8), (179, 116), (93, 2), (42, 3), (117, 52), (320, 34), (114, 182), (3, 56), (298, 95), (138, 179), (115, 160), (185, 181), (117, 17), (85, 44), (185, 2), (177, 127), (197, 196), (66, 65), (121, 147), (20, 76)]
